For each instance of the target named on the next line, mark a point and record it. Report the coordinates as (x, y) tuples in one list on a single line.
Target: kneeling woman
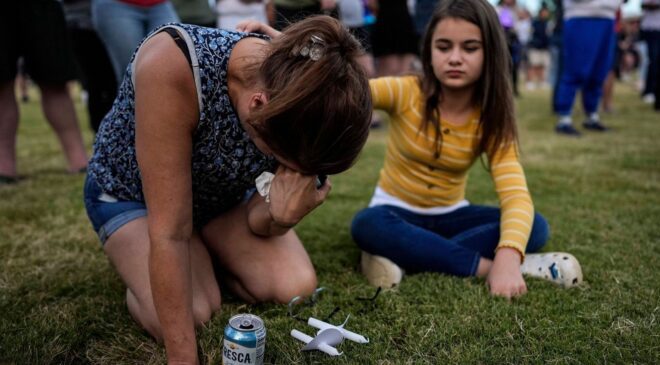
[(200, 114)]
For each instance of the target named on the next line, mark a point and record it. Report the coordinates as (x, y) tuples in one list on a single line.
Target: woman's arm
[(166, 114), (292, 196)]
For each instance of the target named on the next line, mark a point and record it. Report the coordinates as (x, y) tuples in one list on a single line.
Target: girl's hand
[(293, 195), (505, 278), (253, 26)]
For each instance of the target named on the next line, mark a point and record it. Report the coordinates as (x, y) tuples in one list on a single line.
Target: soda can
[(245, 340)]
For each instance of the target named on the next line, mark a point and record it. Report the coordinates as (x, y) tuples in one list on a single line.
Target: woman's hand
[(253, 26), (505, 278), (293, 195)]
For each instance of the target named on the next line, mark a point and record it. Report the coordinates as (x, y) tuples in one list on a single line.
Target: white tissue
[(263, 184)]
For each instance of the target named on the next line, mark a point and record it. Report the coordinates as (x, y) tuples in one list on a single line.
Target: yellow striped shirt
[(413, 174)]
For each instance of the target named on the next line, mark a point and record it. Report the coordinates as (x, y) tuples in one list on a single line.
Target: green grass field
[(61, 302)]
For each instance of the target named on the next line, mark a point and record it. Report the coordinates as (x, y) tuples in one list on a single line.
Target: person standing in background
[(232, 12), (615, 69), (587, 53), (423, 11), (95, 70), (539, 55), (291, 11), (22, 80), (650, 32), (197, 12), (351, 14), (656, 106), (555, 51), (394, 39), (122, 24), (508, 15), (524, 33), (36, 30)]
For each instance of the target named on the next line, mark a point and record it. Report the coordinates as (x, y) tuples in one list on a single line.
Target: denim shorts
[(108, 213)]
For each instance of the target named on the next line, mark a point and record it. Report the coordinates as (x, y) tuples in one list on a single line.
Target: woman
[(175, 161)]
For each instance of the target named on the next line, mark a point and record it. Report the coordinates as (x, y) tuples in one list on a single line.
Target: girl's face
[(457, 53)]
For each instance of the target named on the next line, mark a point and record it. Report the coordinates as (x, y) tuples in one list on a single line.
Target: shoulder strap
[(179, 42)]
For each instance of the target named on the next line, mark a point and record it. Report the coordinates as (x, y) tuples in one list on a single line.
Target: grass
[(61, 302)]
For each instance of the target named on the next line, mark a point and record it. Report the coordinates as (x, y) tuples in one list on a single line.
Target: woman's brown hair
[(318, 111), (493, 91)]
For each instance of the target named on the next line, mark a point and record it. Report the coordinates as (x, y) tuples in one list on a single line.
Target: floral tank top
[(225, 162)]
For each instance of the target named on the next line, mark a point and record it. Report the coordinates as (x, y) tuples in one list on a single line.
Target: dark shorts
[(35, 30), (107, 213)]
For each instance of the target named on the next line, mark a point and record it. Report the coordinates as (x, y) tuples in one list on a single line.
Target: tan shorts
[(539, 57)]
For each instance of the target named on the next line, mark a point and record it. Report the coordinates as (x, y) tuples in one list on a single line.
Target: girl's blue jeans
[(450, 243)]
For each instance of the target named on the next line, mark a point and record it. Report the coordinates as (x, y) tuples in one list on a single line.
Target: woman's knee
[(144, 313), (304, 284), (539, 235), (282, 287), (204, 307)]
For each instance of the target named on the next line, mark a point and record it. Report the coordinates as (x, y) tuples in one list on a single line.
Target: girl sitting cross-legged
[(442, 122)]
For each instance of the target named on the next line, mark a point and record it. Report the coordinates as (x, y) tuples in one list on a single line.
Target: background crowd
[(52, 43)]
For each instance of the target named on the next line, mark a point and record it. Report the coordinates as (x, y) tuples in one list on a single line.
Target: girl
[(441, 123)]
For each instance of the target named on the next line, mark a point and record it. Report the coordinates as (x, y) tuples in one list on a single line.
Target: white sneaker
[(558, 267), (648, 99), (380, 271)]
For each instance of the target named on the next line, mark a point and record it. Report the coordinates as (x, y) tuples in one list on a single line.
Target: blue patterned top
[(225, 162)]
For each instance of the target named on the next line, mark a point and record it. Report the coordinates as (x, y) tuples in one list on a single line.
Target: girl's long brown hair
[(493, 91)]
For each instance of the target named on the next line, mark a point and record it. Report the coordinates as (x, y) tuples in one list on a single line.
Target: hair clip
[(313, 49)]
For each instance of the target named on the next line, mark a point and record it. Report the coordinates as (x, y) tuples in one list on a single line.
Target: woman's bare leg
[(128, 251)]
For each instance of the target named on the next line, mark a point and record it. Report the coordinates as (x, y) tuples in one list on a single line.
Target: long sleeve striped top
[(412, 172)]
